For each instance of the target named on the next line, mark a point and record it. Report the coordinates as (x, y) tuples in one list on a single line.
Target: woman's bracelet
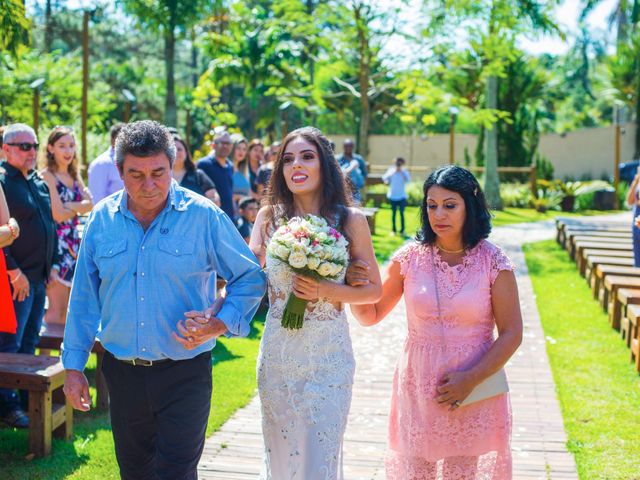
[(17, 277)]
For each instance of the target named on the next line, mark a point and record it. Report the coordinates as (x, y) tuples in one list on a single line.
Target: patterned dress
[(426, 440), (305, 378), (68, 237)]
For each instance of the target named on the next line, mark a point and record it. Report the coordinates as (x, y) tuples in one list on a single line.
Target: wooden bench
[(49, 411), (377, 197), (595, 260), (595, 235), (633, 317), (587, 252), (370, 213), (602, 271), (606, 241), (628, 297), (563, 225), (581, 245), (609, 295), (51, 339)]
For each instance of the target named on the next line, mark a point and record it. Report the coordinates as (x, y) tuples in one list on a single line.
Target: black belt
[(140, 362)]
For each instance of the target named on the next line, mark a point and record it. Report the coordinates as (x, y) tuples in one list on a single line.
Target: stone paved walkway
[(539, 441)]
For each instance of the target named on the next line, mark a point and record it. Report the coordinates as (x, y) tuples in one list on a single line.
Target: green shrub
[(516, 195)]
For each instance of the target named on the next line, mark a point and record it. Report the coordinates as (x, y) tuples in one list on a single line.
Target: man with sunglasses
[(30, 258)]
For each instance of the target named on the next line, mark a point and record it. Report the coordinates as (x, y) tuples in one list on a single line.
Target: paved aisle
[(539, 441)]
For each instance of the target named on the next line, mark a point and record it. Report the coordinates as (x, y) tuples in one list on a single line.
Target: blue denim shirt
[(131, 287)]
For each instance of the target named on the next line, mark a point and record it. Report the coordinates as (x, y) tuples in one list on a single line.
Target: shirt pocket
[(110, 258), (177, 256)]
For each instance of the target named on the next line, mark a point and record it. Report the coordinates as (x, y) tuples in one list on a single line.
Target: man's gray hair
[(144, 139), (12, 131)]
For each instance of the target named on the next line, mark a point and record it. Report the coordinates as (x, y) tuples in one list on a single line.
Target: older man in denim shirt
[(150, 255)]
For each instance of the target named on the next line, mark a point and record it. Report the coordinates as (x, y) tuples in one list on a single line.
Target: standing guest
[(266, 169), (69, 199), (397, 178), (150, 253), (457, 287), (255, 156), (354, 167), (219, 169), (248, 209), (305, 377), (188, 176), (2, 156), (9, 231), (30, 258), (104, 178), (633, 200), (241, 183)]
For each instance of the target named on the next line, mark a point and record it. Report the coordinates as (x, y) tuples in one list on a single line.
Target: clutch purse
[(494, 385)]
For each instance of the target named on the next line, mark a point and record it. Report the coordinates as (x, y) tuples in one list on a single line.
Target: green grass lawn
[(91, 454), (598, 387), (385, 244)]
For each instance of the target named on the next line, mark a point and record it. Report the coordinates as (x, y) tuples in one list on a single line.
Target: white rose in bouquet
[(298, 260), (313, 262), (325, 269)]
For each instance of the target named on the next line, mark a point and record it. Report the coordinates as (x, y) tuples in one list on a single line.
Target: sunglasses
[(24, 146)]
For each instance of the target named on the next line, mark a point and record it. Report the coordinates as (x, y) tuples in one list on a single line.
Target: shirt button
[(142, 274), (110, 251), (142, 299), (142, 324), (142, 247), (176, 251), (144, 349)]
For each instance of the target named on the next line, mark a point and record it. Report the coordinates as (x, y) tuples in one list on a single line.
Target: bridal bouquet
[(310, 247)]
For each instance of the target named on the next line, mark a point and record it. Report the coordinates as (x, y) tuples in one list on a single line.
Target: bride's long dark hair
[(334, 203)]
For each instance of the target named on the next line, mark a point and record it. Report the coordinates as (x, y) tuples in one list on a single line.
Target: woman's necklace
[(450, 251)]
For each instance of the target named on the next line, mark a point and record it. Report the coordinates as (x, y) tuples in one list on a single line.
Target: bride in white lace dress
[(305, 376)]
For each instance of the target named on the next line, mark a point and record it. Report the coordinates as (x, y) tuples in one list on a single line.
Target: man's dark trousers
[(159, 416)]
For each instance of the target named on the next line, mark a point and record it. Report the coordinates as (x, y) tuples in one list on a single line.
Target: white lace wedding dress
[(305, 379)]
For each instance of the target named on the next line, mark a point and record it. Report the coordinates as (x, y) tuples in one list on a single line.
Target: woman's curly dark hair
[(477, 221)]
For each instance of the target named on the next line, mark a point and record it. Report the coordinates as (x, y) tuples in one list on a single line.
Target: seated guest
[(104, 178), (188, 176), (219, 169), (248, 209), (69, 199), (30, 258)]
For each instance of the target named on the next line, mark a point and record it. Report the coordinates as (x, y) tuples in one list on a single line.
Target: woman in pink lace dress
[(457, 288)]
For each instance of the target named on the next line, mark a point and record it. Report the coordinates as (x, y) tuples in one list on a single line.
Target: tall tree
[(14, 26), (493, 27), (171, 18)]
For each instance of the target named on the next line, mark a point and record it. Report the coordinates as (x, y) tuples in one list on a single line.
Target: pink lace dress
[(426, 440)]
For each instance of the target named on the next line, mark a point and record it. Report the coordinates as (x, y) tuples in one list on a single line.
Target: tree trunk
[(170, 111), (492, 180), (194, 59), (48, 28), (363, 77)]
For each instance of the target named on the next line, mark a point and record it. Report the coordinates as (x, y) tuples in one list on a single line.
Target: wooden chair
[(633, 317), (51, 339), (49, 411), (609, 294)]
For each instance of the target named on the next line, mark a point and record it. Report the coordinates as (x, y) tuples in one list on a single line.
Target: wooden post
[(36, 108), (187, 129), (85, 82), (533, 179), (616, 162), (451, 141), (127, 112)]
